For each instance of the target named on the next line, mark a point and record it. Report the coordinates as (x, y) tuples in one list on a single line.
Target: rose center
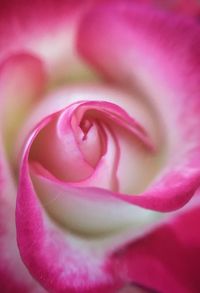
[(85, 126), (88, 144)]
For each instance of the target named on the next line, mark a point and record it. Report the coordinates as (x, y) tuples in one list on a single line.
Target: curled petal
[(169, 78), (58, 260), (14, 276), (21, 75), (63, 198)]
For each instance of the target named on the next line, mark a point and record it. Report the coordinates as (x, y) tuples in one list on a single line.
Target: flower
[(106, 164)]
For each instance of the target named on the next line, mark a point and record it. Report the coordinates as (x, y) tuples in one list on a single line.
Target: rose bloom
[(100, 146)]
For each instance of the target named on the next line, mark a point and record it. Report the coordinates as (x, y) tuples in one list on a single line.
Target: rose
[(57, 259), (101, 244)]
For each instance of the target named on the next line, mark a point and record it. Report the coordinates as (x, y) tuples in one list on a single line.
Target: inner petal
[(138, 164), (105, 173), (62, 156), (90, 138)]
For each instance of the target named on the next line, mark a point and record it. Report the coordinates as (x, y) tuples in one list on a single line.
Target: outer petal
[(168, 259), (59, 260), (157, 53), (14, 277), (42, 28), (21, 75), (22, 82)]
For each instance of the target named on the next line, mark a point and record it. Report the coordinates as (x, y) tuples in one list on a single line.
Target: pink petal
[(22, 81), (91, 141), (60, 261), (21, 76), (14, 277), (168, 259), (169, 78), (62, 150), (45, 29)]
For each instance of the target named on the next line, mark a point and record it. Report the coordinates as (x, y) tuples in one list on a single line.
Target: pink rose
[(100, 135)]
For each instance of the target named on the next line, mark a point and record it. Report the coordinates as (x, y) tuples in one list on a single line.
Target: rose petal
[(44, 29), (22, 81), (166, 259), (13, 274), (62, 151), (169, 78), (60, 261)]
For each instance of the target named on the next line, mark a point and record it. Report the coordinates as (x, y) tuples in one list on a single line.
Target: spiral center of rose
[(88, 144), (90, 139)]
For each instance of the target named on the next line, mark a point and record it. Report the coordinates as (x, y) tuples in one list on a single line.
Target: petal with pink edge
[(166, 259), (59, 260), (44, 29), (155, 52), (14, 276)]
